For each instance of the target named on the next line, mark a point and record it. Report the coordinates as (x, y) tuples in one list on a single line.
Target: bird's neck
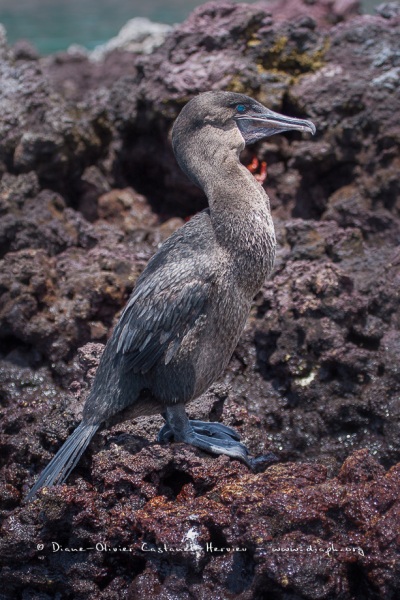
[(239, 207), (242, 221)]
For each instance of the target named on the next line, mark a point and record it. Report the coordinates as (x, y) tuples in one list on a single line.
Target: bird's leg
[(211, 437)]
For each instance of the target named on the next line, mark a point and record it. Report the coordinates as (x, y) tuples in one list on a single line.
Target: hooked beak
[(255, 126)]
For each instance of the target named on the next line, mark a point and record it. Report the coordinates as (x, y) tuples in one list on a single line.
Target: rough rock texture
[(89, 190)]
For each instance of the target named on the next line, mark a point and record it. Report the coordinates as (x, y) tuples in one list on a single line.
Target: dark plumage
[(189, 306)]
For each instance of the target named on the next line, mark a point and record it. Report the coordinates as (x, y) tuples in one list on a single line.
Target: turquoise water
[(52, 25)]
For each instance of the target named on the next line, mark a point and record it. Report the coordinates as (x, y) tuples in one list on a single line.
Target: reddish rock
[(126, 209)]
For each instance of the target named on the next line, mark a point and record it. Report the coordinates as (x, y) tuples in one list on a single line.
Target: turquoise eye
[(241, 108)]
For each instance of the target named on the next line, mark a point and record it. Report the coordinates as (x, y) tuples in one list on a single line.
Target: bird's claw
[(259, 463)]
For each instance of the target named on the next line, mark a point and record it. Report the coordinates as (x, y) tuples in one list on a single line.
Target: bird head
[(227, 120), (255, 121)]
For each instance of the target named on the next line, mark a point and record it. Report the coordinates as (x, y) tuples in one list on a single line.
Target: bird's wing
[(156, 320), (157, 317)]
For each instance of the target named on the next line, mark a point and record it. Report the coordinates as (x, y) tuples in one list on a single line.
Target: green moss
[(253, 42), (238, 85), (281, 58), (279, 46), (281, 65)]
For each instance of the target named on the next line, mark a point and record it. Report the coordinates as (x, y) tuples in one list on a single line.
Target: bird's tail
[(66, 458)]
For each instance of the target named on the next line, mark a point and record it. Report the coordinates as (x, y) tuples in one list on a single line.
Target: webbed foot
[(215, 430), (215, 438)]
